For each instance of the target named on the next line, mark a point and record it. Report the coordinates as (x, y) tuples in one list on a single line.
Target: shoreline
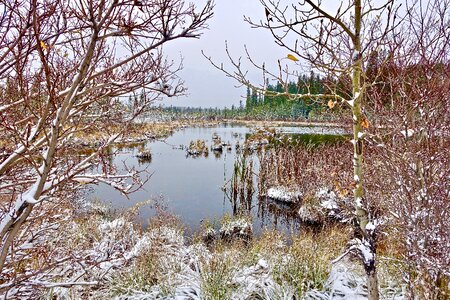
[(285, 123), (171, 127)]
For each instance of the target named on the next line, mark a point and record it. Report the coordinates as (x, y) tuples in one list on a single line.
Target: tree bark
[(361, 212), (372, 285)]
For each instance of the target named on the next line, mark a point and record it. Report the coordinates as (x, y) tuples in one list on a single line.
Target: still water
[(190, 187)]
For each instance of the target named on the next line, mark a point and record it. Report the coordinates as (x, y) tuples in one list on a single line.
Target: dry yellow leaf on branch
[(365, 123), (292, 57), (43, 45), (331, 104), (343, 193)]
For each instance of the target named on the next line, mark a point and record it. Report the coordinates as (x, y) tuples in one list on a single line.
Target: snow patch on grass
[(346, 281), (239, 225), (284, 194)]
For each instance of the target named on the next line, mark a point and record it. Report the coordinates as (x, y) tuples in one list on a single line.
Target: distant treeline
[(277, 102)]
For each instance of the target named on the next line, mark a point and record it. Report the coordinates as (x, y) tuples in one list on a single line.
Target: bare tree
[(395, 74), (63, 67), (411, 145), (337, 44)]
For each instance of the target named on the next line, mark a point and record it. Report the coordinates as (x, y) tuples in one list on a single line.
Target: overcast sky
[(208, 87)]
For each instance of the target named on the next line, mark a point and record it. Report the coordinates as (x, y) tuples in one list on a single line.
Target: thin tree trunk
[(360, 207), (372, 285)]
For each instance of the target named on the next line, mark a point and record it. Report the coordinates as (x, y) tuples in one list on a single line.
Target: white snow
[(263, 263), (328, 199), (283, 193), (185, 269), (352, 102), (264, 141), (407, 133), (329, 204), (359, 203), (240, 224), (366, 253), (370, 226), (346, 282), (84, 180)]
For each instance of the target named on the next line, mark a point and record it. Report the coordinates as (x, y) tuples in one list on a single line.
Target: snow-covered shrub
[(239, 228)]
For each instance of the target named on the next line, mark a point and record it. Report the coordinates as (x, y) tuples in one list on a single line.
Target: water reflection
[(193, 186)]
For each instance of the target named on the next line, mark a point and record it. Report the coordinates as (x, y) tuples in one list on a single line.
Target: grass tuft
[(307, 263)]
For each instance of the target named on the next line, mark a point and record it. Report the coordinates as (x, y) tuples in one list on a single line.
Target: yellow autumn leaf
[(365, 123), (43, 45), (292, 57), (343, 193), (331, 104)]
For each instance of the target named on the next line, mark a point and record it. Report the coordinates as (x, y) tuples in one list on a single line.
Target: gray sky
[(208, 87)]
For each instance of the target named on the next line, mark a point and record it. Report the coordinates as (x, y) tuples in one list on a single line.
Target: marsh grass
[(297, 264), (145, 273), (242, 188), (135, 134), (307, 262), (216, 276), (198, 148), (308, 168), (270, 244)]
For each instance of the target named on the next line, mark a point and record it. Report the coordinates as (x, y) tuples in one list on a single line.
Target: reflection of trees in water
[(140, 146), (242, 184), (272, 212), (217, 153)]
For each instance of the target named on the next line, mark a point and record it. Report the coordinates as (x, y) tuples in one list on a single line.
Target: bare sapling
[(64, 66)]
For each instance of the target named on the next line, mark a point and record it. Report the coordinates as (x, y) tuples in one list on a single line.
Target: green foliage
[(280, 105), (270, 105)]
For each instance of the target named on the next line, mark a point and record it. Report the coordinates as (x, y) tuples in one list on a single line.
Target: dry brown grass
[(307, 262)]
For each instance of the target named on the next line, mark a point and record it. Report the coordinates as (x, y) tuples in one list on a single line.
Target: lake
[(191, 187)]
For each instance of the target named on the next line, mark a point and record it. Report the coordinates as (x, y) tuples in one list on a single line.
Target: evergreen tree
[(248, 103)]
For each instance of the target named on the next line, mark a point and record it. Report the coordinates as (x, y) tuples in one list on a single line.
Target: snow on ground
[(284, 194), (326, 204), (186, 268), (239, 226), (346, 281)]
